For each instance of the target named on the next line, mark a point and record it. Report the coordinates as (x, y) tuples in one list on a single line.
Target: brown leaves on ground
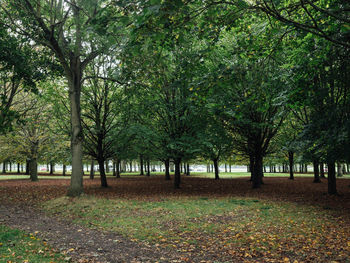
[(301, 190)]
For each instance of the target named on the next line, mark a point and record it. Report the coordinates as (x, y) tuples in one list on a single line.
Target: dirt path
[(89, 245)]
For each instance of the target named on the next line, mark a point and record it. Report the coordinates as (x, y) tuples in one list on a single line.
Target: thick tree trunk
[(18, 168), (316, 172), (322, 170), (131, 167), (141, 165), (177, 176), (332, 186), (216, 168), (102, 173), (258, 171), (33, 170), (291, 164), (167, 168), (64, 170), (92, 170), (74, 80)]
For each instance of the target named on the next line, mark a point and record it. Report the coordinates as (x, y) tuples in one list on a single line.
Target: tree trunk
[(258, 171), (117, 166), (291, 163), (148, 168), (225, 168), (64, 170), (114, 173), (92, 170), (316, 172), (141, 165), (102, 173), (250, 167), (107, 167), (216, 168), (33, 170), (131, 167), (51, 167), (177, 176), (188, 170), (322, 170), (332, 187), (339, 170), (306, 168), (230, 168), (18, 168), (74, 77), (167, 168), (27, 167), (4, 167)]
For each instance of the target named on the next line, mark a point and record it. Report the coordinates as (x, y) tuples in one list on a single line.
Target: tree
[(75, 32)]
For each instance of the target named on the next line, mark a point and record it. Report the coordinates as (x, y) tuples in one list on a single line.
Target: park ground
[(143, 219)]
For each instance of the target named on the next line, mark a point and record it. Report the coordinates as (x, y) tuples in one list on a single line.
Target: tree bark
[(258, 171), (114, 172), (148, 168), (177, 176), (52, 167), (141, 165), (92, 170), (64, 170), (117, 168), (216, 168), (332, 186), (188, 170), (102, 173), (291, 164), (18, 168), (33, 170), (4, 167), (167, 168), (27, 167), (339, 170), (107, 167), (316, 172), (322, 170)]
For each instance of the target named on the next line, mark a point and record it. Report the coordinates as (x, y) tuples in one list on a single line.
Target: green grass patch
[(189, 224), (16, 246), (24, 177)]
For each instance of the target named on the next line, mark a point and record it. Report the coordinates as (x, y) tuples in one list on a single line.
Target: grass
[(23, 177), (246, 227), (16, 246)]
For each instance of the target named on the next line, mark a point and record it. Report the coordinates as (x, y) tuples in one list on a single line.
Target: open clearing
[(204, 221)]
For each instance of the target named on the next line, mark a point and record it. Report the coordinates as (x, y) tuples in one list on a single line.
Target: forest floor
[(140, 219)]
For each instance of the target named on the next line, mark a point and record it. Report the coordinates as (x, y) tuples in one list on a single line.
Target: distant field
[(136, 174)]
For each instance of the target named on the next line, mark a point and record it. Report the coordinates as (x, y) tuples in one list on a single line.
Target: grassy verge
[(16, 246), (246, 228)]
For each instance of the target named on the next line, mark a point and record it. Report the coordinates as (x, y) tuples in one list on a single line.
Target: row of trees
[(175, 81)]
